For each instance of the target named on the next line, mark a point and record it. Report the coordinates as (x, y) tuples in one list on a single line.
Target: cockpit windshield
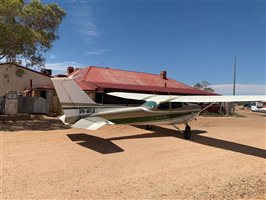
[(150, 104)]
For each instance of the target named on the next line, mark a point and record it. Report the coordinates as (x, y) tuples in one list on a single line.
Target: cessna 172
[(82, 112)]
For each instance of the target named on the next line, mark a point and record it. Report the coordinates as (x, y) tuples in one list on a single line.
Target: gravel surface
[(225, 159)]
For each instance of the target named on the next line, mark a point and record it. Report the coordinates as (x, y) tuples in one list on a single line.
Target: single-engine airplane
[(82, 112)]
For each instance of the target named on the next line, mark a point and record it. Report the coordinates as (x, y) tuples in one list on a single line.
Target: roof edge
[(26, 69)]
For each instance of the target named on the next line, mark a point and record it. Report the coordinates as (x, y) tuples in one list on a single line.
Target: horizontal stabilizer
[(91, 123)]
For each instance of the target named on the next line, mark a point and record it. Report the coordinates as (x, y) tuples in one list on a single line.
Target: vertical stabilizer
[(74, 101)]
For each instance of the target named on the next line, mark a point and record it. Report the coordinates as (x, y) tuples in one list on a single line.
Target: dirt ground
[(225, 159)]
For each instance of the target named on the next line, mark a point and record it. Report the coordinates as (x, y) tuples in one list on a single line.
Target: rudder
[(74, 101)]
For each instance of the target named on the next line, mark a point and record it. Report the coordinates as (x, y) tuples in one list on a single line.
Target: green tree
[(204, 85), (27, 30)]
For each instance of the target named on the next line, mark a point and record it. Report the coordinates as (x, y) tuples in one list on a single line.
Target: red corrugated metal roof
[(86, 85), (83, 84), (47, 87), (150, 89), (98, 78)]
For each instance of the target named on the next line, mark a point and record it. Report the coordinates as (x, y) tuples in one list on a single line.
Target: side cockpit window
[(164, 106), (176, 105)]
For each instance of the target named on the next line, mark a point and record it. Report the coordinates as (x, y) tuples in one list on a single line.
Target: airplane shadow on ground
[(156, 132), (106, 146), (101, 145)]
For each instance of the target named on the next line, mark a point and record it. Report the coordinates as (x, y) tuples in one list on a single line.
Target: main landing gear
[(186, 132), (148, 127)]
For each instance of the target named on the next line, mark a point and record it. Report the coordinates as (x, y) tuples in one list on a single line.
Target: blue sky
[(192, 40)]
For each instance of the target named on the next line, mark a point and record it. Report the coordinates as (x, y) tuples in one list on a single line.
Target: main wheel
[(187, 132), (148, 127)]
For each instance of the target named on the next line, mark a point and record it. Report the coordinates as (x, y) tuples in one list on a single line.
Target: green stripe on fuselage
[(78, 107), (149, 118)]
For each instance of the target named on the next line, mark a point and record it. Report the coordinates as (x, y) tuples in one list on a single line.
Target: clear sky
[(192, 40)]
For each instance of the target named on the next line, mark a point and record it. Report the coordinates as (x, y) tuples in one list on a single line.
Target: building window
[(43, 94)]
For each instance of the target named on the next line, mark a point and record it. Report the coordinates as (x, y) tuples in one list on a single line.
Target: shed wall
[(15, 78)]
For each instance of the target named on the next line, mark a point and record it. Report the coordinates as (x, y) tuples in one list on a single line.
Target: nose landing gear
[(186, 132)]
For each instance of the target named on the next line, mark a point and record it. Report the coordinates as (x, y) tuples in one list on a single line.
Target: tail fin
[(74, 101)]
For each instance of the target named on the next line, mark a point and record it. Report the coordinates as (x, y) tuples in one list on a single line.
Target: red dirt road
[(225, 159)]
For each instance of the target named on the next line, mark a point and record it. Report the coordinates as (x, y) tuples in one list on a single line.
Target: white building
[(14, 77)]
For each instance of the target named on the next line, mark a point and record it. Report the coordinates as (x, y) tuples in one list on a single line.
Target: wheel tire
[(187, 133), (148, 127)]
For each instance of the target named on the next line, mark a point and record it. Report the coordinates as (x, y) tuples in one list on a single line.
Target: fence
[(32, 105)]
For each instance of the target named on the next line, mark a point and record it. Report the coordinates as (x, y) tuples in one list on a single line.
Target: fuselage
[(152, 113)]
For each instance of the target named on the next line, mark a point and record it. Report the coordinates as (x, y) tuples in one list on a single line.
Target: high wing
[(217, 99), (191, 99), (135, 96), (142, 96)]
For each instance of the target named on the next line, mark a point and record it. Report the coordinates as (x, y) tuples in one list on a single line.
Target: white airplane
[(82, 112)]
